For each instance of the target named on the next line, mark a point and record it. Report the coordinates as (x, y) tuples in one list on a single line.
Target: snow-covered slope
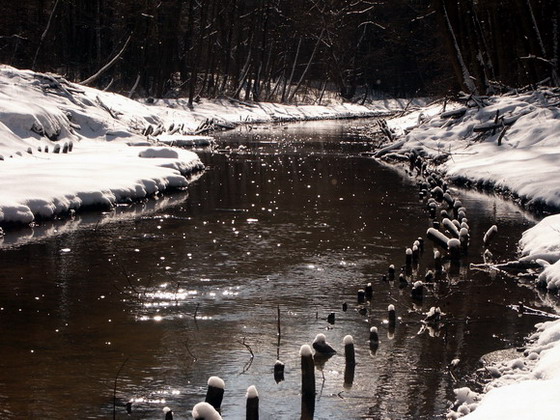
[(63, 147), (526, 162)]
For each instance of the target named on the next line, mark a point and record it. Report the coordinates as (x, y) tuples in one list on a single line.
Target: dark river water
[(147, 302)]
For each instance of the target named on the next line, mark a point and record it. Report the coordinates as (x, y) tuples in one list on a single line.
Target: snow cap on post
[(168, 413), (205, 411), (252, 410), (373, 335), (349, 352)]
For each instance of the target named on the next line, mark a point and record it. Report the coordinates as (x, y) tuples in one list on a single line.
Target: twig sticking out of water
[(279, 334), (196, 310), (177, 286), (250, 362), (186, 343), (115, 389)]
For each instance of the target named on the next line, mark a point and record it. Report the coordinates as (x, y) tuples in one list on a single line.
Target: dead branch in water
[(250, 362), (279, 335), (186, 343), (115, 388)]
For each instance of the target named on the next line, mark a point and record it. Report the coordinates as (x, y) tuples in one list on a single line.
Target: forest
[(286, 50)]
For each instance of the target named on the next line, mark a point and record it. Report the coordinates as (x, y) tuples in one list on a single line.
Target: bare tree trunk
[(134, 86), (289, 81), (556, 63), (307, 66), (536, 28), (98, 32), (271, 94), (44, 34), (322, 91), (467, 80), (244, 73)]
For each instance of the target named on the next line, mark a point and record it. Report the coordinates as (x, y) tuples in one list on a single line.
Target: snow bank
[(526, 162), (62, 148), (524, 388), (96, 174), (541, 244)]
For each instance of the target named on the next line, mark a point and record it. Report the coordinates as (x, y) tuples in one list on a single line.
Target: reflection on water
[(286, 217)]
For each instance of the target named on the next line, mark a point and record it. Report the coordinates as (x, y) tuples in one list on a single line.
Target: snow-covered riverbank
[(509, 144), (64, 146)]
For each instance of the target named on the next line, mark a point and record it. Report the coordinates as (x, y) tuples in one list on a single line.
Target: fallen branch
[(522, 309), (502, 134), (106, 108), (54, 83), (507, 266), (389, 148), (103, 69), (495, 124), (456, 113)]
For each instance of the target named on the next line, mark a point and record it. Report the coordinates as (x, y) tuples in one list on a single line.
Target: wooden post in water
[(392, 321), (215, 392), (168, 413), (373, 339), (307, 383), (252, 412), (350, 359), (278, 371), (408, 260), (454, 246), (361, 296), (391, 272)]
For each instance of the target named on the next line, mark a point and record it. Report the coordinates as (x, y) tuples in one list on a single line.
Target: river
[(144, 304)]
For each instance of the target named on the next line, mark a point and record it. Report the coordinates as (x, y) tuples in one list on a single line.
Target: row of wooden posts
[(453, 221)]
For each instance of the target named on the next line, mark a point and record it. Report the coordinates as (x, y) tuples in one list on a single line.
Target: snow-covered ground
[(526, 162), (511, 144), (64, 146)]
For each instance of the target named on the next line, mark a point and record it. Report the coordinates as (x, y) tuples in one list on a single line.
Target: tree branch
[(103, 69)]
